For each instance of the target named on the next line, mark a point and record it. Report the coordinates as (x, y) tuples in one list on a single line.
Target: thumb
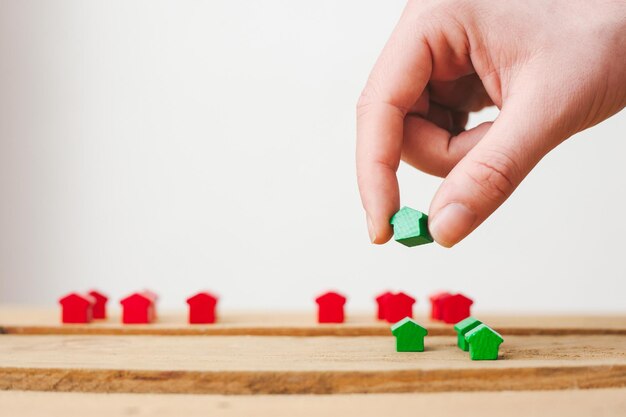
[(489, 173)]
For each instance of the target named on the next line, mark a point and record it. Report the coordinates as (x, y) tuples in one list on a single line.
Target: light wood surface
[(581, 403), (292, 365), (22, 320)]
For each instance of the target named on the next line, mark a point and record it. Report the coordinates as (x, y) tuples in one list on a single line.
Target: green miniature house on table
[(410, 227), (484, 343), (462, 328), (409, 335)]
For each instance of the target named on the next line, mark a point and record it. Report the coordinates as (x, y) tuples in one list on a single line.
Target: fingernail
[(451, 224), (370, 229)]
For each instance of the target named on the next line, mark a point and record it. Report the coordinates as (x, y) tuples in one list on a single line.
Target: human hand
[(552, 67)]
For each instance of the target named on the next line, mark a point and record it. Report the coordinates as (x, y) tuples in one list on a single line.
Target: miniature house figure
[(462, 328), (330, 307), (154, 297), (410, 227), (484, 343), (99, 308), (76, 308), (455, 308), (202, 308), (399, 306), (138, 308), (409, 335), (435, 304), (381, 301)]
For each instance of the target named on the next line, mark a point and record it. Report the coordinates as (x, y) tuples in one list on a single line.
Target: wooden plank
[(577, 403), (299, 365), (16, 320)]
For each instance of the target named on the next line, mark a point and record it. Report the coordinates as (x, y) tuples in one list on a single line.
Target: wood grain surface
[(302, 365), (579, 403), (22, 320)]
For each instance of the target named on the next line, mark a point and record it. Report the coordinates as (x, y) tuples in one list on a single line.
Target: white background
[(181, 145)]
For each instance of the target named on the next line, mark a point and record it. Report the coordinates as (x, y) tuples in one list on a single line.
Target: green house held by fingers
[(409, 335), (410, 227), (462, 328)]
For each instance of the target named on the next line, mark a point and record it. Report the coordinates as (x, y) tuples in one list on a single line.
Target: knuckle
[(369, 96), (376, 96), (496, 174), (363, 104)]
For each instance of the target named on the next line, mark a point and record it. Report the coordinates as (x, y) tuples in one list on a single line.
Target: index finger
[(398, 79)]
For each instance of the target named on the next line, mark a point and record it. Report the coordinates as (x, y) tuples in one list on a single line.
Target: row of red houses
[(140, 307), (393, 307), (137, 308)]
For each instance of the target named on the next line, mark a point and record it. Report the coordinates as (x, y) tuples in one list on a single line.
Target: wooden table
[(271, 363), (581, 403)]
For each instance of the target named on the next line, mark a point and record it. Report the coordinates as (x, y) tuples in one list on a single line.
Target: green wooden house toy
[(410, 227), (409, 335), (462, 328), (483, 343)]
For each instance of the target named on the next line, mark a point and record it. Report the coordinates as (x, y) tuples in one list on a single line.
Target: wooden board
[(580, 403), (294, 365), (15, 320)]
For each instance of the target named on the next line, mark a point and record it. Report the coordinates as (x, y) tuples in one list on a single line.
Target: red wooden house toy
[(435, 304), (154, 298), (381, 301), (138, 308), (202, 308), (330, 307), (76, 308), (99, 308), (455, 308), (399, 306)]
